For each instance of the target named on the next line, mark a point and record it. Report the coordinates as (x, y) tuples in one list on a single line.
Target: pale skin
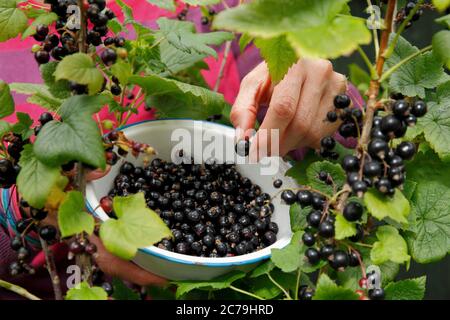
[(298, 106)]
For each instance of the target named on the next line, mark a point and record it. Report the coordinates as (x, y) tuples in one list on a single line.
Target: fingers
[(123, 269), (253, 89), (282, 108), (336, 85), (318, 73)]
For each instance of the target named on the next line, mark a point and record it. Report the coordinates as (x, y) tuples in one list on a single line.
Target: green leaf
[(123, 71), (343, 228), (328, 290), (77, 137), (164, 4), (441, 5), (181, 35), (289, 258), (12, 20), (298, 217), (218, 283), (359, 77), (6, 100), (80, 67), (35, 179), (390, 246), (430, 240), (298, 170), (409, 289), (244, 41), (262, 269), (263, 287), (38, 94), (303, 22), (436, 123), (127, 12), (444, 20), (278, 54), (72, 217), (427, 167), (58, 89), (84, 292), (5, 128), (115, 26), (334, 170), (201, 2), (122, 292), (420, 73), (174, 99), (292, 257), (441, 46), (380, 206), (45, 18), (23, 125), (137, 226)]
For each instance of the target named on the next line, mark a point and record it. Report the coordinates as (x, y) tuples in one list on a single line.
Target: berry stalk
[(51, 268)]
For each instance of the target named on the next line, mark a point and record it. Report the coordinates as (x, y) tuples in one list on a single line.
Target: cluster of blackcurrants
[(404, 12), (212, 210), (31, 222), (205, 19), (383, 167), (321, 230), (66, 39)]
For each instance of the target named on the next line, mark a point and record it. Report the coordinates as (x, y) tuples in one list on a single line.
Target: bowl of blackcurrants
[(224, 212)]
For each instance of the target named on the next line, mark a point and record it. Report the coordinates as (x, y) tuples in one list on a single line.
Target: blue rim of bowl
[(151, 252)]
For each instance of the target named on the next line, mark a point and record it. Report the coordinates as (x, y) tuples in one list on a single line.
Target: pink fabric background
[(18, 65)]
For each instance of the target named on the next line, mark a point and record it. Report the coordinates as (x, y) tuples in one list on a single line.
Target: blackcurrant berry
[(326, 251), (42, 57), (48, 233), (353, 259), (326, 229), (243, 147), (350, 163), (288, 197), (45, 118), (359, 187), (269, 238), (342, 101), (277, 183), (419, 109), (314, 218), (108, 287), (109, 56), (383, 185), (390, 124), (406, 150), (182, 248), (376, 294), (339, 260), (16, 243), (400, 108), (308, 239), (372, 168), (328, 143), (312, 255), (359, 234), (378, 148), (353, 211), (411, 120), (304, 198), (332, 116)]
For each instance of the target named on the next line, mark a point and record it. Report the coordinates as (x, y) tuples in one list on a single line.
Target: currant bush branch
[(388, 52), (51, 268), (18, 290)]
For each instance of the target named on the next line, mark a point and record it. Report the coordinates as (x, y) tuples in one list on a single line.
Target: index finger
[(253, 90)]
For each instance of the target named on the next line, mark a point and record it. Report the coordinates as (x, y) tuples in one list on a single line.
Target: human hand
[(298, 106)]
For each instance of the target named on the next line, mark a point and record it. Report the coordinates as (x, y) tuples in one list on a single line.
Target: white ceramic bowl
[(176, 266)]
